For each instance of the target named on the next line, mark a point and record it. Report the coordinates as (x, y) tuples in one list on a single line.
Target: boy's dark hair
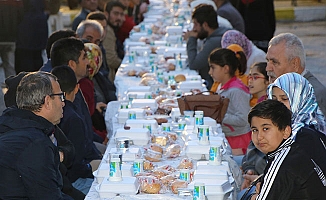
[(96, 15), (261, 68), (205, 13), (66, 78), (56, 36), (108, 7), (274, 110), (64, 50), (224, 57)]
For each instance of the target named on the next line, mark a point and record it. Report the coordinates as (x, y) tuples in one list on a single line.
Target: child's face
[(216, 72), (266, 136), (256, 82)]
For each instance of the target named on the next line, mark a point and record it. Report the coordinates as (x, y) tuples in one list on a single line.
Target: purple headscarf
[(236, 37)]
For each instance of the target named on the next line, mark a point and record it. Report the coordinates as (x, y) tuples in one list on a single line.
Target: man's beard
[(117, 26), (202, 34)]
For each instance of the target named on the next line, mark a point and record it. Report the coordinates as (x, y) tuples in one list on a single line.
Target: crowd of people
[(53, 133)]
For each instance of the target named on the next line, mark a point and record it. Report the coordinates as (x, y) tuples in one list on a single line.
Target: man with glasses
[(29, 164)]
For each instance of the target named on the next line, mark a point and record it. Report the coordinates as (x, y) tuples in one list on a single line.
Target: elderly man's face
[(278, 62), (92, 35), (90, 4)]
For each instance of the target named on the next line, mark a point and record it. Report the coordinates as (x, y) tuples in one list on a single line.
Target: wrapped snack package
[(167, 168), (159, 173), (152, 156), (172, 137), (186, 163), (160, 139), (173, 151), (143, 174), (157, 148), (178, 184), (149, 184), (148, 165), (167, 180)]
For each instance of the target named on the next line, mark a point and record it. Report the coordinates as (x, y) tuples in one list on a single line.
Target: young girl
[(242, 67), (258, 82), (223, 65)]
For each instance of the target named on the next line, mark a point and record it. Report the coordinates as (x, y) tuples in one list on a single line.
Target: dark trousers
[(28, 60)]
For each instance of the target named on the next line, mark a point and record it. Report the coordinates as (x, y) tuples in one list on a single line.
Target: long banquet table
[(158, 18)]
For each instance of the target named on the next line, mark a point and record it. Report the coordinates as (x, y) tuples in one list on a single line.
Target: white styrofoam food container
[(190, 84), (139, 136), (139, 89), (204, 165), (142, 103), (109, 189), (196, 151), (123, 114), (129, 155), (214, 186), (104, 171), (140, 95), (139, 123)]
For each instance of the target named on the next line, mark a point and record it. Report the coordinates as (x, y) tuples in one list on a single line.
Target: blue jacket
[(75, 130), (29, 161)]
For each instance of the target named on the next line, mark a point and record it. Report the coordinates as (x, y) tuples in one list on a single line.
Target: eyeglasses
[(61, 95), (254, 77)]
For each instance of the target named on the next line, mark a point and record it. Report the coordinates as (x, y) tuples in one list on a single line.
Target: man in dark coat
[(29, 158)]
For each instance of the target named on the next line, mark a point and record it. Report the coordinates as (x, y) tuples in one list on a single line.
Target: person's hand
[(106, 140), (257, 191), (99, 106), (61, 156), (248, 178), (189, 34)]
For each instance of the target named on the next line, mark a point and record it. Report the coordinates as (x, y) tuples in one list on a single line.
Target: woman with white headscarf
[(300, 99)]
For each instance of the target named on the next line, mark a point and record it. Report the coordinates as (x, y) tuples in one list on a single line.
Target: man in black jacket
[(29, 158)]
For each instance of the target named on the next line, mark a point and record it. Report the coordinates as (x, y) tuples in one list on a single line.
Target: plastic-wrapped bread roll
[(148, 165), (185, 163), (152, 156), (178, 184)]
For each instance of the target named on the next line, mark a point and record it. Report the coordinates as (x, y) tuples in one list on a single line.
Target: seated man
[(47, 67), (114, 11), (29, 164), (291, 172), (205, 27), (80, 173)]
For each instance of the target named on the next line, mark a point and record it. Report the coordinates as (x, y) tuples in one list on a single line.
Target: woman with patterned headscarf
[(301, 100), (253, 54)]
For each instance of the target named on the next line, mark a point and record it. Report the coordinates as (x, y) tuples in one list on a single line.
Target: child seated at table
[(291, 172), (223, 65), (258, 82)]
